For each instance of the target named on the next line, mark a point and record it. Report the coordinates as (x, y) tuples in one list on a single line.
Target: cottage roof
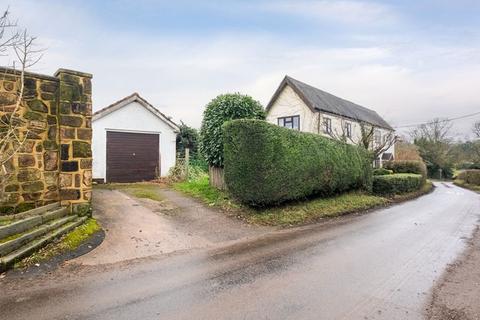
[(319, 100)]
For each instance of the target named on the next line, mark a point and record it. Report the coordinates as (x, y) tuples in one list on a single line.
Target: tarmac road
[(380, 265)]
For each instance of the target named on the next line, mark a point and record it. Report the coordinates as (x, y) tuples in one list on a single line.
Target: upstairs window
[(386, 139), (348, 129), (292, 122), (377, 137), (327, 125)]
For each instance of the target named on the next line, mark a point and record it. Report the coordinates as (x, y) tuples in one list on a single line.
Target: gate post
[(75, 128)]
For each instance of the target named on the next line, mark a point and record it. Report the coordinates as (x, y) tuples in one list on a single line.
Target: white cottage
[(299, 106), (132, 141)]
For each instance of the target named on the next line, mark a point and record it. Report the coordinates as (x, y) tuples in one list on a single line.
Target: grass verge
[(465, 185), (67, 242), (426, 188), (138, 190), (202, 190), (295, 212), (300, 212)]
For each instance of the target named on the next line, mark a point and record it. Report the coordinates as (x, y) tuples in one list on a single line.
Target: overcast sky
[(410, 61)]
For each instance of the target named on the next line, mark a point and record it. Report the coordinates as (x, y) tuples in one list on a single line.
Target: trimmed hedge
[(470, 176), (397, 183), (266, 164), (406, 166), (381, 172)]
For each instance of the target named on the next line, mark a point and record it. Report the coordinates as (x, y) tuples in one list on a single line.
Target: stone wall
[(54, 163)]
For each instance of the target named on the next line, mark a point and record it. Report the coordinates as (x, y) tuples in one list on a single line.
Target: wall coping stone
[(74, 72), (27, 73)]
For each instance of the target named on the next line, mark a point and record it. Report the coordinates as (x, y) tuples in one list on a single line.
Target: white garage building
[(132, 141)]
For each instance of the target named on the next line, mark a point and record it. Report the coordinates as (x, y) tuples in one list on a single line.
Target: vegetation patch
[(294, 212), (138, 190), (381, 172), (4, 222), (471, 176), (13, 237), (463, 184), (201, 189), (223, 108), (67, 242), (301, 212), (426, 188), (398, 183), (406, 166), (285, 164)]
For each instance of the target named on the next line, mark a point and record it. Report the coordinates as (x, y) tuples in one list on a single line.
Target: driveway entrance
[(136, 228)]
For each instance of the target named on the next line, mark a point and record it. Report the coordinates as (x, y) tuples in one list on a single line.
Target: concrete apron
[(134, 231)]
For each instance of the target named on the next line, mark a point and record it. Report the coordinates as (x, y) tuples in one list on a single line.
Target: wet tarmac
[(377, 266)]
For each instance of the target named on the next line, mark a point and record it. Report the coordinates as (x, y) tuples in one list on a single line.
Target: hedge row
[(267, 164), (381, 172), (406, 166), (470, 176), (397, 183)]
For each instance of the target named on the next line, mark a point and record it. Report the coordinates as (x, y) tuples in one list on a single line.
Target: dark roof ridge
[(319, 100)]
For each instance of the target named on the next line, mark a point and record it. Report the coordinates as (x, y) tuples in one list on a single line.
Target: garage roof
[(134, 97)]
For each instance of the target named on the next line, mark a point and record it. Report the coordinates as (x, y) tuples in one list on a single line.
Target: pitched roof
[(318, 100), (134, 97)]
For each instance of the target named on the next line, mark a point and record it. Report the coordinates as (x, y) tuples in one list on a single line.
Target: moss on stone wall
[(55, 111)]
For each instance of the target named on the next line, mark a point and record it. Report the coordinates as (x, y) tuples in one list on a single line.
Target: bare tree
[(438, 130), (434, 143), (19, 45), (476, 129), (367, 138)]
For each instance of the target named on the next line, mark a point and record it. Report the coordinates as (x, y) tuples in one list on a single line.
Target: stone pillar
[(75, 130)]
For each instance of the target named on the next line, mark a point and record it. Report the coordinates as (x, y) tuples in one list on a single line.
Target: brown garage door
[(132, 157)]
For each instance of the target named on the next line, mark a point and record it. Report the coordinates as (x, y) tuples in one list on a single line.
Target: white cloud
[(405, 83), (347, 12)]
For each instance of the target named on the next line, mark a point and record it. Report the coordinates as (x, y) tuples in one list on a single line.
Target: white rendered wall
[(289, 103), (132, 118)]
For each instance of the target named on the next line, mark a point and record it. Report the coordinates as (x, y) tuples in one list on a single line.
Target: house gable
[(288, 103), (319, 100)]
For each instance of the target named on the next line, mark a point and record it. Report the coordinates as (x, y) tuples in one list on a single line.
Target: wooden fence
[(216, 177)]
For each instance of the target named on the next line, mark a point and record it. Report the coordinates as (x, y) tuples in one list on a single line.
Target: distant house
[(132, 141), (299, 106)]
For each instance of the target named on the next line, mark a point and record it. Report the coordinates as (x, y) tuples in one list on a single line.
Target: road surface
[(377, 266)]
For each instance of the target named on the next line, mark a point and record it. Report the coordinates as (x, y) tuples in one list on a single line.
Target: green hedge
[(381, 172), (407, 166), (224, 107), (470, 176), (397, 183), (267, 164)]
